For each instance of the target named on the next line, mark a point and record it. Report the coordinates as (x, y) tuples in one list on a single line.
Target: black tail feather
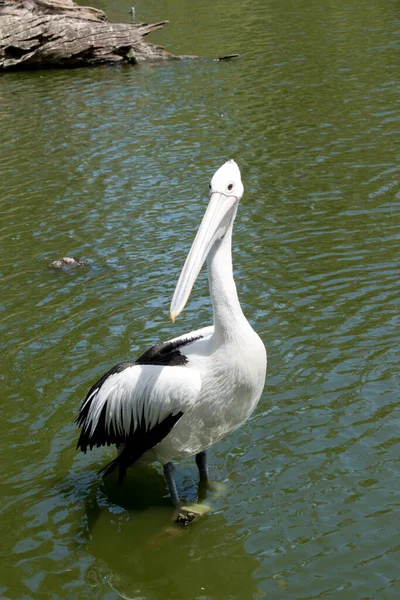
[(140, 442)]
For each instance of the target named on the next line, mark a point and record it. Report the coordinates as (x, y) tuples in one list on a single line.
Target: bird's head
[(227, 181), (226, 189)]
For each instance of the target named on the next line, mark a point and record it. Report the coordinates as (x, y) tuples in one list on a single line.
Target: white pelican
[(181, 396)]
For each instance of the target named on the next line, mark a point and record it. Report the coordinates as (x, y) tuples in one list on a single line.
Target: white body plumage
[(230, 389)]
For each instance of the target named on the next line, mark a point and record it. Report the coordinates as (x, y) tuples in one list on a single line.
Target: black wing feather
[(166, 353), (140, 442), (99, 436), (137, 441)]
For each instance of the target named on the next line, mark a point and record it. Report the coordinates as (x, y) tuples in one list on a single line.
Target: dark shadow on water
[(143, 488), (141, 553)]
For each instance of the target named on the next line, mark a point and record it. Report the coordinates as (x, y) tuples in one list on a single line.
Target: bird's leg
[(169, 471), (204, 483), (201, 462), (184, 515)]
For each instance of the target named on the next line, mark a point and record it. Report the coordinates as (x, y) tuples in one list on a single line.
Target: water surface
[(113, 164)]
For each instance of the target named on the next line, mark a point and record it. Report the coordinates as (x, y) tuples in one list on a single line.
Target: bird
[(183, 395), (132, 13)]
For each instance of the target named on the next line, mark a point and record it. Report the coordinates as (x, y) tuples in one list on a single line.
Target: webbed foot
[(187, 514)]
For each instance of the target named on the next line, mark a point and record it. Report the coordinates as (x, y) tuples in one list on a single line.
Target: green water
[(113, 164)]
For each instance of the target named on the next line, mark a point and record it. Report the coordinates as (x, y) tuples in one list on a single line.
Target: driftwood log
[(40, 34)]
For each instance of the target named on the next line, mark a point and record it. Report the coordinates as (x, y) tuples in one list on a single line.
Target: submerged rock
[(68, 262)]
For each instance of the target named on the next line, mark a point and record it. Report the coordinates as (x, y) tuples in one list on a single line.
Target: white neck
[(227, 310)]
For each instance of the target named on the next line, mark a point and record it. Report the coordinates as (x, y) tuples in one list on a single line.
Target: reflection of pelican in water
[(182, 396), (208, 562)]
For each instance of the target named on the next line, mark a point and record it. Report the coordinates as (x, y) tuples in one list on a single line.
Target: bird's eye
[(230, 187), (209, 186)]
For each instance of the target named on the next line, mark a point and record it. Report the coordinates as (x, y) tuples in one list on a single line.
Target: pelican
[(181, 396)]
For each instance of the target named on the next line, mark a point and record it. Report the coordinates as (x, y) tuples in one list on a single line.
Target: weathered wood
[(37, 34)]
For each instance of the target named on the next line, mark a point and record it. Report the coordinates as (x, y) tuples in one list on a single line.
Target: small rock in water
[(56, 264), (68, 262)]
